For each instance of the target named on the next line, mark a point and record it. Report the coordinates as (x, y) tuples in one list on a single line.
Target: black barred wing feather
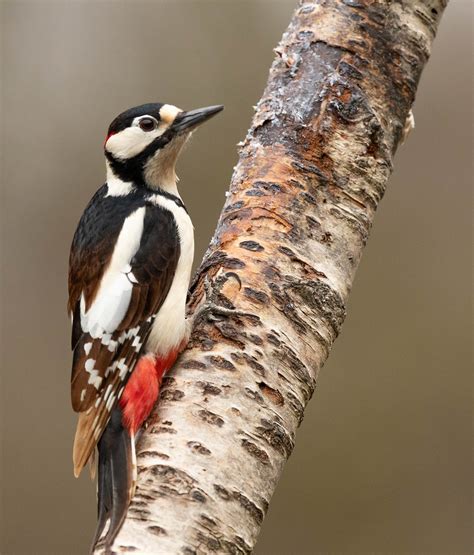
[(111, 329)]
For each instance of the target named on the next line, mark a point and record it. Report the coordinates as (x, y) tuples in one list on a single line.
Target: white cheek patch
[(133, 140), (130, 142)]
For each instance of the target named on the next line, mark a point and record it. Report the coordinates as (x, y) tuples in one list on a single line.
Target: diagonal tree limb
[(311, 173)]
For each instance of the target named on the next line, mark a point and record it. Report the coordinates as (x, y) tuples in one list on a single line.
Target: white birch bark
[(311, 173)]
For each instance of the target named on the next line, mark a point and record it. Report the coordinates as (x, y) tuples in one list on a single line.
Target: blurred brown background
[(383, 459)]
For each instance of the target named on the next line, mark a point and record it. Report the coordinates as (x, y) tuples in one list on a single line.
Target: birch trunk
[(312, 170)]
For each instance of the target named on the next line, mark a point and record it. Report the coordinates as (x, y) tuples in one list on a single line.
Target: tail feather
[(116, 480), (104, 497)]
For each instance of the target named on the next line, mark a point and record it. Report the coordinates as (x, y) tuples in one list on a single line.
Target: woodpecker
[(129, 271)]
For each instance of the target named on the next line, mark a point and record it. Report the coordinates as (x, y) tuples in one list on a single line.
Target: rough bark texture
[(311, 173)]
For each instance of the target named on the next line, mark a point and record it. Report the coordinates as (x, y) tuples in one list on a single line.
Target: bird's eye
[(147, 124)]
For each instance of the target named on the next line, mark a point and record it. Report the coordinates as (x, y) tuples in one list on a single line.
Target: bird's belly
[(170, 327)]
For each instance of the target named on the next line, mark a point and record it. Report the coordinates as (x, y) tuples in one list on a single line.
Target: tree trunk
[(311, 173)]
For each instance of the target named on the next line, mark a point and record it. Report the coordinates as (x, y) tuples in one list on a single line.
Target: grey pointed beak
[(190, 120)]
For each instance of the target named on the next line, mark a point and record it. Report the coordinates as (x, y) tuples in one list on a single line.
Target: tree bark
[(312, 170)]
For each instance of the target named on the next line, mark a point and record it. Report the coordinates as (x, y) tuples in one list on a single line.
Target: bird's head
[(143, 143)]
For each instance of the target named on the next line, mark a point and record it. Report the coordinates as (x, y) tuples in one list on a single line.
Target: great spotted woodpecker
[(129, 272)]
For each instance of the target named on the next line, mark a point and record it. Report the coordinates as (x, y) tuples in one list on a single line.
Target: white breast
[(169, 328)]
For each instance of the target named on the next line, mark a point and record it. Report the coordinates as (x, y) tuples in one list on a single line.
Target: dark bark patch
[(349, 103), (233, 263), (244, 358), (208, 521), (222, 492), (209, 389), (273, 339), (198, 448), (353, 3), (326, 238), (152, 455), (255, 339), (144, 496), (298, 369), (193, 365), (221, 363), (172, 395), (251, 246), (245, 502), (210, 543), (311, 169), (273, 395), (157, 530), (309, 198), (259, 454), (276, 436), (164, 430), (349, 71), (207, 344), (198, 496), (269, 186), (255, 193), (229, 333), (254, 395), (312, 222), (296, 406), (234, 206), (321, 297), (286, 305), (249, 506), (265, 504), (246, 549), (211, 418), (286, 250), (271, 272), (139, 514), (171, 481), (258, 296), (307, 271)]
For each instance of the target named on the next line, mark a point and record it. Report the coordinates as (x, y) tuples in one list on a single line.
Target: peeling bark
[(312, 170)]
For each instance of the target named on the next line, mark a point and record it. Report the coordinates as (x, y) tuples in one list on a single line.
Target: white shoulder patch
[(113, 298), (118, 188)]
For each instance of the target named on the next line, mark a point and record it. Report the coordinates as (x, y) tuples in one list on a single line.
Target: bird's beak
[(187, 121)]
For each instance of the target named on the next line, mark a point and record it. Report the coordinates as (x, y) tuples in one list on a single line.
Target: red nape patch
[(141, 391), (108, 137)]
